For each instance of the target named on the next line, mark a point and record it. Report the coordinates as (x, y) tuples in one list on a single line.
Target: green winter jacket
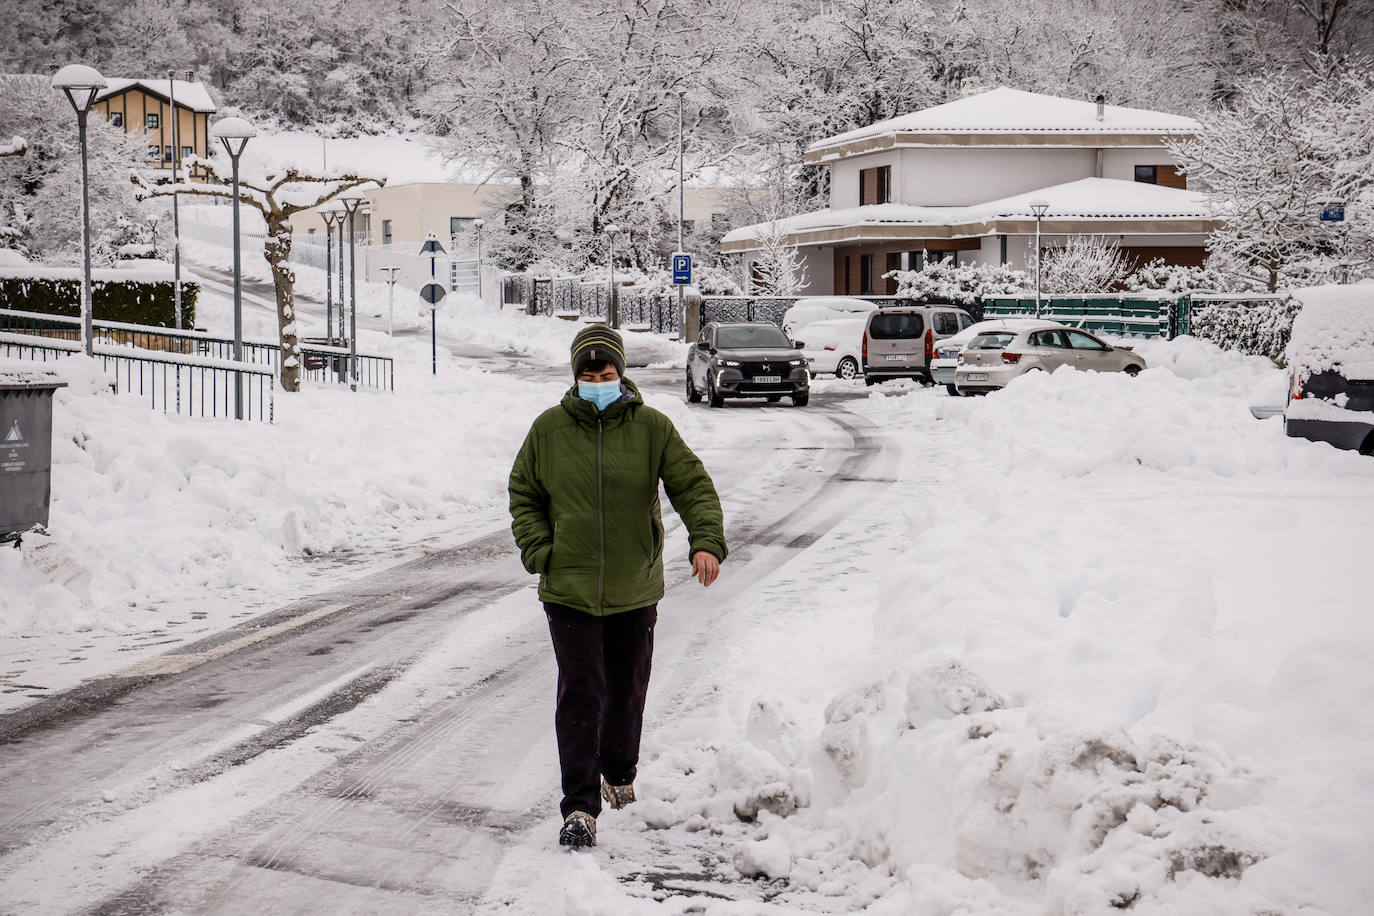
[(584, 502)]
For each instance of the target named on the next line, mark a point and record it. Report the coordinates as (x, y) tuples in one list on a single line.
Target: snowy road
[(386, 745)]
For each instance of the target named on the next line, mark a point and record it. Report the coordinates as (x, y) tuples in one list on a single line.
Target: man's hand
[(705, 567)]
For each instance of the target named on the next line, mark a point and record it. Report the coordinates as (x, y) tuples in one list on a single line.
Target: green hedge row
[(1261, 329), (132, 301)]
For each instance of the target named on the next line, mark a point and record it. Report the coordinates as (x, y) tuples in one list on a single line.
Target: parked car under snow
[(1331, 367)]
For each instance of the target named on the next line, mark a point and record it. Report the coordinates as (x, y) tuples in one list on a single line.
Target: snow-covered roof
[(1335, 328), (1084, 199), (410, 159), (188, 95), (1014, 111)]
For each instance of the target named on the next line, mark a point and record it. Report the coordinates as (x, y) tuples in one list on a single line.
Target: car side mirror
[(799, 344)]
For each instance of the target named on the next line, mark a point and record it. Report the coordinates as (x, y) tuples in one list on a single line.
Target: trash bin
[(25, 450)]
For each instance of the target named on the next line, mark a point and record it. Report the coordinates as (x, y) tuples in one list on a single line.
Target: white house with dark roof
[(955, 182)]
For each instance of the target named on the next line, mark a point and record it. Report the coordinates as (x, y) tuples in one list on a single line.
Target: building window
[(949, 257), (875, 185), (386, 232), (152, 122), (117, 118), (310, 230), (865, 275), (187, 152), (460, 225), (166, 154), (154, 151), (1147, 174)]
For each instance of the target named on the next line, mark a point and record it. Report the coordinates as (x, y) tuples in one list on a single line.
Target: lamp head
[(234, 134), (613, 229), (352, 199), (80, 84), (1039, 207)]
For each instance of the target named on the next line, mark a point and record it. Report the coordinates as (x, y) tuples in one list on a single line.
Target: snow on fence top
[(155, 272), (1007, 110), (1334, 329)]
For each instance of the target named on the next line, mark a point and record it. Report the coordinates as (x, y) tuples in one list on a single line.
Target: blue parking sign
[(682, 269)]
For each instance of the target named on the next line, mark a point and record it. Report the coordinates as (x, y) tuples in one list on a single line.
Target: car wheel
[(870, 381), (801, 400), (693, 396), (1132, 370), (848, 368), (713, 397), (953, 392)]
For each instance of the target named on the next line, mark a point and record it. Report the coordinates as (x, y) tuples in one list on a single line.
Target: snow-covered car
[(834, 346), (1331, 367), (992, 359), (823, 308), (947, 351)]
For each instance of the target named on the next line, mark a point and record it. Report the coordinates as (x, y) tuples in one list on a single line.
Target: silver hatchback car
[(991, 360)]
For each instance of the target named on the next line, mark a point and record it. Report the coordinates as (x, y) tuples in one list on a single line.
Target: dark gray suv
[(746, 361)]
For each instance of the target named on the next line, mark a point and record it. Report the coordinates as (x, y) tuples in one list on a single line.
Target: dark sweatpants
[(603, 676)]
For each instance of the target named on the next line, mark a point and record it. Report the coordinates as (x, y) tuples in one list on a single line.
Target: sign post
[(390, 298), (433, 293), (1333, 211)]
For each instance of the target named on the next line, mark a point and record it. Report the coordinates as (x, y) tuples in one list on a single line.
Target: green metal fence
[(1123, 316)]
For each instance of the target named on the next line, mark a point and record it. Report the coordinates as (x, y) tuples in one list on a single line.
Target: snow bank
[(1078, 672)]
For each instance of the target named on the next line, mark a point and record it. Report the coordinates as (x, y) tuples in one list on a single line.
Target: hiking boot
[(617, 796), (579, 829)]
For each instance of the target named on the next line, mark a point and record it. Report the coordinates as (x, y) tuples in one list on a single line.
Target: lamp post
[(234, 134), (612, 310), (81, 84), (390, 297), (477, 226), (1038, 206), (681, 310), (352, 201), (176, 177), (331, 214)]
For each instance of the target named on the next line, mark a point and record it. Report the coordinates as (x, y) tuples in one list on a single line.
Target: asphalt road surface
[(386, 746)]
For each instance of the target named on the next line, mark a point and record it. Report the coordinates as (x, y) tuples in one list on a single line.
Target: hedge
[(133, 301), (1260, 329)]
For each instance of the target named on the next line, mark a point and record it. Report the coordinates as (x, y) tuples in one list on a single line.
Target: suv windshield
[(751, 337), (993, 340), (896, 326)]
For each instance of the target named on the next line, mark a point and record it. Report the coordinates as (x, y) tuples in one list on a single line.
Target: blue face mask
[(599, 393)]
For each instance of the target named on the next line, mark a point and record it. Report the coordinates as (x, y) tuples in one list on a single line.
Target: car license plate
[(767, 379), (977, 376), (896, 357)]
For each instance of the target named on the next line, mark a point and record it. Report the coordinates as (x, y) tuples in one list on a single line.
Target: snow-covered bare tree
[(1288, 147), (1083, 264), (277, 194), (40, 193), (778, 267)]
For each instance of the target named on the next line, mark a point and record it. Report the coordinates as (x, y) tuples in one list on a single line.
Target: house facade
[(145, 107), (956, 182)]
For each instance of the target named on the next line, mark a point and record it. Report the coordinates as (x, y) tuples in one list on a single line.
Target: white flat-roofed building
[(955, 182)]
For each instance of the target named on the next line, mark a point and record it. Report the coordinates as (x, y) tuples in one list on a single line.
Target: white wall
[(820, 270), (959, 177)]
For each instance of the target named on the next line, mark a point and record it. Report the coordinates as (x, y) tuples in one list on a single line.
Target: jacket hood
[(586, 412)]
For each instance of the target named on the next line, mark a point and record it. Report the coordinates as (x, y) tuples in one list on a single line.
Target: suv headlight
[(732, 363), (796, 362)]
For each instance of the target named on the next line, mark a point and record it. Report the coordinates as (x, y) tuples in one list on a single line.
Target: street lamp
[(612, 310), (477, 226), (81, 84), (1038, 206), (234, 134), (352, 201), (681, 309), (331, 214)]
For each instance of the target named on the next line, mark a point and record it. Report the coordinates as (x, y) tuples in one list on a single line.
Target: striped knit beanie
[(598, 343)]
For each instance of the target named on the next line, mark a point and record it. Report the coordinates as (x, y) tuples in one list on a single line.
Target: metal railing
[(330, 362), (189, 386)]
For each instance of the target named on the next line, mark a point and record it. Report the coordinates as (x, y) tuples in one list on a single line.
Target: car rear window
[(896, 326), (993, 340)]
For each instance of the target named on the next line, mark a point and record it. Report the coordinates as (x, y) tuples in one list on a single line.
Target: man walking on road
[(585, 513)]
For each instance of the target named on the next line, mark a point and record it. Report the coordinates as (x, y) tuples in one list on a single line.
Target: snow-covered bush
[(1083, 264), (1174, 278), (1259, 329), (965, 284)]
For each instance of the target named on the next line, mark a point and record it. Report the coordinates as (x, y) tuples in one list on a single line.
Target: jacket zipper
[(601, 521)]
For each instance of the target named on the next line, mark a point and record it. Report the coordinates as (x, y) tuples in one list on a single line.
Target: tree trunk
[(277, 251)]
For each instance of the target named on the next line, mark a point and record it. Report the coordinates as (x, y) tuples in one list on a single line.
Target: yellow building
[(144, 106)]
